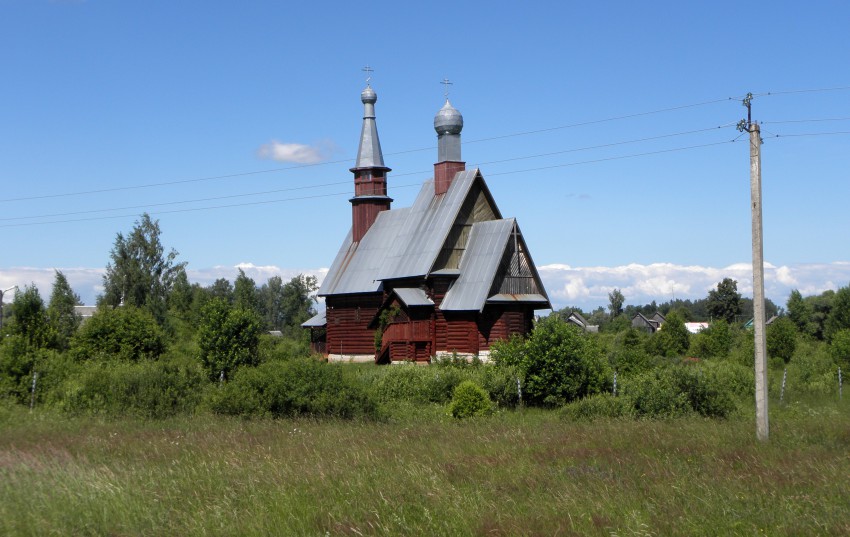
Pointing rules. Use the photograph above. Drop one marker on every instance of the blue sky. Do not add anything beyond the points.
(256, 104)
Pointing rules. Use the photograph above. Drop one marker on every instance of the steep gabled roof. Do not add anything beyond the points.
(420, 239)
(407, 243)
(489, 244)
(357, 264)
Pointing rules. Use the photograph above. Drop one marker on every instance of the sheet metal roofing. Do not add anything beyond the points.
(413, 296)
(405, 243)
(402, 243)
(356, 265)
(478, 265)
(317, 320)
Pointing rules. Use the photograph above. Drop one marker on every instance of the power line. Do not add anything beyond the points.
(309, 165)
(789, 92)
(231, 196)
(805, 120)
(348, 193)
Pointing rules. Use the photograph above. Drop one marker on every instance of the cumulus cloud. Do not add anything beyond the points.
(86, 282)
(588, 287)
(294, 152)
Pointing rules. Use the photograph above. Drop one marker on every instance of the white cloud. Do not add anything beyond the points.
(86, 282)
(297, 153)
(587, 287)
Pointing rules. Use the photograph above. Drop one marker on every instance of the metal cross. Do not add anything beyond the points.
(446, 83)
(368, 70)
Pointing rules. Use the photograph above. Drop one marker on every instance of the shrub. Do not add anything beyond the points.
(629, 354)
(500, 383)
(298, 387)
(672, 339)
(840, 349)
(712, 342)
(146, 389)
(781, 339)
(679, 390)
(558, 361)
(125, 333)
(469, 400)
(18, 362)
(601, 405)
(227, 338)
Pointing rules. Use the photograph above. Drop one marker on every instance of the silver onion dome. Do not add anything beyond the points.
(368, 96)
(448, 120)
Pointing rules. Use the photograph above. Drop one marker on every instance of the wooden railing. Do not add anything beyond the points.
(408, 332)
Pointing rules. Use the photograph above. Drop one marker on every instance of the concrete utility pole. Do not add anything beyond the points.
(762, 426)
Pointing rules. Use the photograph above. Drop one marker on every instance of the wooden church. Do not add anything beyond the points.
(447, 276)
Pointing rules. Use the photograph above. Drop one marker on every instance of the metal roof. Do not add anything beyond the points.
(405, 243)
(421, 237)
(369, 153)
(317, 320)
(478, 266)
(356, 265)
(413, 296)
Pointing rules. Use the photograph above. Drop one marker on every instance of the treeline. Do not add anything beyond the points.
(159, 346)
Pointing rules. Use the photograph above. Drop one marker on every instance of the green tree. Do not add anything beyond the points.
(296, 304)
(245, 294)
(672, 339)
(615, 302)
(182, 295)
(799, 311)
(725, 301)
(271, 300)
(560, 363)
(61, 314)
(839, 315)
(125, 333)
(140, 273)
(781, 339)
(840, 349)
(221, 288)
(228, 337)
(29, 318)
(713, 342)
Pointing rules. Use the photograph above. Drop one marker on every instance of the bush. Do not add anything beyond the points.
(469, 400)
(781, 339)
(146, 389)
(227, 338)
(840, 349)
(125, 333)
(672, 339)
(558, 361)
(679, 390)
(299, 387)
(601, 405)
(712, 342)
(629, 354)
(18, 362)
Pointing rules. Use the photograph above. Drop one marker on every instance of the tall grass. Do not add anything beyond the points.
(522, 472)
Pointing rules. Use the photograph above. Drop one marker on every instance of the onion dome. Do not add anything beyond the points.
(448, 120)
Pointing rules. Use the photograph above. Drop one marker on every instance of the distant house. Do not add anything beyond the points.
(577, 319)
(650, 324)
(85, 312)
(696, 328)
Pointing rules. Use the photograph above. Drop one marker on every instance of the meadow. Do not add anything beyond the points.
(417, 471)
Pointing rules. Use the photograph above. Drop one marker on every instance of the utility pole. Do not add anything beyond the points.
(762, 426)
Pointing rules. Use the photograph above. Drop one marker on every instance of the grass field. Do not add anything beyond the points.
(524, 472)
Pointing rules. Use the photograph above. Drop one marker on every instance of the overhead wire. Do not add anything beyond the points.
(346, 193)
(276, 191)
(339, 161)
